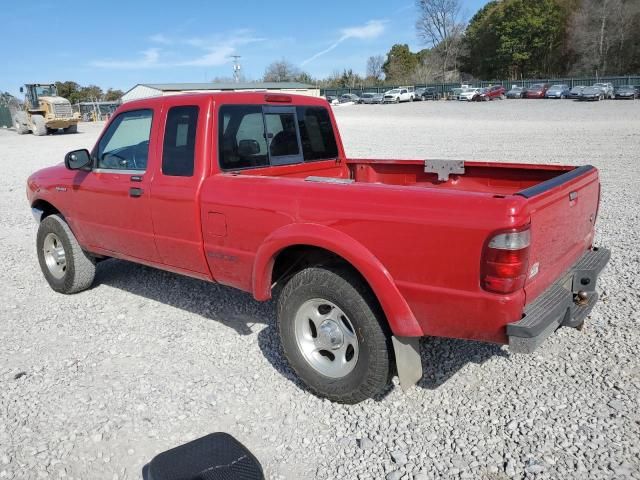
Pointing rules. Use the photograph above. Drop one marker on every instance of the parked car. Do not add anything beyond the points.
(332, 99)
(398, 95)
(558, 91)
(626, 92)
(455, 93)
(607, 89)
(470, 94)
(592, 94)
(349, 97)
(576, 91)
(492, 93)
(515, 92)
(371, 97)
(537, 90)
(355, 287)
(427, 93)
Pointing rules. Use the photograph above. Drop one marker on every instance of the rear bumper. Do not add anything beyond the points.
(560, 304)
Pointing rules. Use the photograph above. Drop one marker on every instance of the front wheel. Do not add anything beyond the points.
(66, 267)
(334, 334)
(71, 129)
(38, 125)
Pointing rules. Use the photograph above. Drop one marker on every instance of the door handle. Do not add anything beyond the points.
(135, 192)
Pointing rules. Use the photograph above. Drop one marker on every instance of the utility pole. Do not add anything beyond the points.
(236, 68)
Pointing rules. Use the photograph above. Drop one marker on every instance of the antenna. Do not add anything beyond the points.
(236, 68)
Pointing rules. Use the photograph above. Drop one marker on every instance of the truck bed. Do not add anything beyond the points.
(400, 212)
(479, 177)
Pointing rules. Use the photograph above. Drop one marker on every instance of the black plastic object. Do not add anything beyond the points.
(217, 456)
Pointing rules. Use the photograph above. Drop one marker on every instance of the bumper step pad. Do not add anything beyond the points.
(557, 306)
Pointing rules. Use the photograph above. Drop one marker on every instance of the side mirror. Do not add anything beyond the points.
(77, 159)
(248, 147)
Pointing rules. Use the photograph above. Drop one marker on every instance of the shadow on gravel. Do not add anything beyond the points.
(226, 305)
(442, 358)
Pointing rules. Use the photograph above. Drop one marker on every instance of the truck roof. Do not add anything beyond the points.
(256, 98)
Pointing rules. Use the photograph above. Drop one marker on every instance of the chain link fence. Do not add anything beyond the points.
(444, 88)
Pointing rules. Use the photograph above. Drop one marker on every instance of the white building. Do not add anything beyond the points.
(146, 90)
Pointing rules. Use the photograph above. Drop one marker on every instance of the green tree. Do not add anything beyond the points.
(113, 95)
(400, 64)
(513, 38)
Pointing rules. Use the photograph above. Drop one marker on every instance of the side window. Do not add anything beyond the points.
(241, 137)
(178, 148)
(125, 144)
(316, 134)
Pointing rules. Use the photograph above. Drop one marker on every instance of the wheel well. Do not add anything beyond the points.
(46, 207)
(295, 258)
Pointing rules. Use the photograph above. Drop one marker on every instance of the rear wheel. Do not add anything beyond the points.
(334, 335)
(66, 267)
(38, 126)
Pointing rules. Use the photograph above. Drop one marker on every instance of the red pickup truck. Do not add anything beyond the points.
(254, 190)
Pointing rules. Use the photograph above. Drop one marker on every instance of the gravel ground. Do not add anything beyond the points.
(93, 385)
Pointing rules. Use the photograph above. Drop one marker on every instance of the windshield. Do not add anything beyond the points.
(367, 95)
(577, 89)
(557, 87)
(516, 89)
(537, 86)
(395, 90)
(46, 90)
(599, 84)
(625, 87)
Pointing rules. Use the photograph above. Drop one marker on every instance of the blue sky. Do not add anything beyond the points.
(120, 43)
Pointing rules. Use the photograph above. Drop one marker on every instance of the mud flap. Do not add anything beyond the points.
(408, 361)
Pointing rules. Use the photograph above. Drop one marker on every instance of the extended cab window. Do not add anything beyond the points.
(241, 137)
(255, 136)
(125, 144)
(178, 148)
(316, 134)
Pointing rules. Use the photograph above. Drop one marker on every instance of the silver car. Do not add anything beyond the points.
(371, 97)
(607, 89)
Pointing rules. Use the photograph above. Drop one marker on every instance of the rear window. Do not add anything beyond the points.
(178, 148)
(251, 136)
(316, 134)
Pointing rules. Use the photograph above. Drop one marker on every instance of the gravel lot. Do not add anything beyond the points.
(93, 385)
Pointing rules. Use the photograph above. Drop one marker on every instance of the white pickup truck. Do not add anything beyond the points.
(400, 94)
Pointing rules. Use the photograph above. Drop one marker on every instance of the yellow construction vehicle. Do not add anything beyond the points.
(44, 111)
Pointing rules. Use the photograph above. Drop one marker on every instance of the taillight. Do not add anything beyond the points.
(505, 260)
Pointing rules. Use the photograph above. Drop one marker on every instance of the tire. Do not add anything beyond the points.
(66, 267)
(503, 97)
(21, 122)
(71, 129)
(358, 323)
(38, 126)
(397, 99)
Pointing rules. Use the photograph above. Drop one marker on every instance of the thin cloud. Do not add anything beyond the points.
(214, 51)
(149, 59)
(372, 29)
(160, 38)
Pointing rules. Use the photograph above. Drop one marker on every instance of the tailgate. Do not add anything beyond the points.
(563, 213)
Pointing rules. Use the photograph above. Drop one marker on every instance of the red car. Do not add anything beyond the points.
(364, 257)
(493, 93)
(537, 90)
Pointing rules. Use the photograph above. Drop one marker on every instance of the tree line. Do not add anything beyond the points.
(76, 93)
(505, 39)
